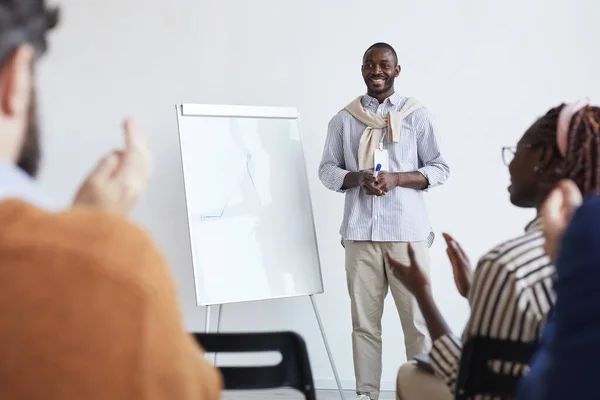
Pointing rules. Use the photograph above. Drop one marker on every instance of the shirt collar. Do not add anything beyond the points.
(394, 99)
(16, 184)
(534, 225)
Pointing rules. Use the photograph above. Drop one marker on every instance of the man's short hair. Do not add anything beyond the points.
(382, 45)
(25, 21)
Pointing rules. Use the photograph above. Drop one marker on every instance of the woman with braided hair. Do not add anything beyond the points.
(573, 154)
(566, 364)
(511, 292)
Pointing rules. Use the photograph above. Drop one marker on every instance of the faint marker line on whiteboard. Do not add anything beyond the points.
(245, 170)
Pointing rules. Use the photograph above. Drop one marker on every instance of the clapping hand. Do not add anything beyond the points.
(411, 275)
(461, 266)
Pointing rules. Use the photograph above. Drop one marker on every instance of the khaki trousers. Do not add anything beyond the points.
(369, 275)
(415, 384)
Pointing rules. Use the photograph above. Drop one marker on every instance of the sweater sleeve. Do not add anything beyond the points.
(175, 365)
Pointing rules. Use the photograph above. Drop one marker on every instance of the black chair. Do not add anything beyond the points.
(292, 372)
(476, 376)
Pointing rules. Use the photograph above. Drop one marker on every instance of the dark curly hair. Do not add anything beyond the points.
(581, 162)
(25, 21)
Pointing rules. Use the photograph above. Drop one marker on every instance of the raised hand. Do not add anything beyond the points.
(461, 266)
(120, 178)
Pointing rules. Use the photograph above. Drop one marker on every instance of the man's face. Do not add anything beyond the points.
(30, 156)
(379, 70)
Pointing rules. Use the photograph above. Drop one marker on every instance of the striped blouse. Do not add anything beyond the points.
(510, 297)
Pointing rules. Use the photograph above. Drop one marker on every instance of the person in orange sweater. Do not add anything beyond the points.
(88, 309)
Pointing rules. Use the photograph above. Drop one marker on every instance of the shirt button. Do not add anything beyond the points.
(376, 217)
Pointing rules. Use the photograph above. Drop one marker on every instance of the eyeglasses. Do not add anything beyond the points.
(508, 153)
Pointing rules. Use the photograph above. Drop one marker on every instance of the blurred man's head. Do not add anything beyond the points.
(23, 28)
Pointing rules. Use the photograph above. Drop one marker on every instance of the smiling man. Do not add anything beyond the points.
(382, 152)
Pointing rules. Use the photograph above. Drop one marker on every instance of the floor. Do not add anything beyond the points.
(292, 395)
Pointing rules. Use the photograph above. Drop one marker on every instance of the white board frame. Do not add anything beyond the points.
(211, 110)
(241, 111)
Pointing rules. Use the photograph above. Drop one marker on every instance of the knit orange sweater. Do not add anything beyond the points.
(88, 310)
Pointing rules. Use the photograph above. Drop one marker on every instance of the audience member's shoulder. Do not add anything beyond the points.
(591, 202)
(582, 235)
(97, 237)
(587, 216)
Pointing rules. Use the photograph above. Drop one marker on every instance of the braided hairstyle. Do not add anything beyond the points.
(581, 162)
(25, 21)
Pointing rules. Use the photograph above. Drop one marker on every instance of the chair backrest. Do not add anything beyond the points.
(484, 369)
(292, 372)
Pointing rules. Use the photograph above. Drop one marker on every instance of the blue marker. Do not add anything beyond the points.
(377, 169)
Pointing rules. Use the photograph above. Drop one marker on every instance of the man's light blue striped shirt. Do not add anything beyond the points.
(400, 215)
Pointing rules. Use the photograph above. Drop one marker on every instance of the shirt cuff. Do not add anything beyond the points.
(445, 359)
(337, 179)
(423, 171)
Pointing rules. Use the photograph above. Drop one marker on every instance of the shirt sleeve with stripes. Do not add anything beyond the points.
(510, 297)
(432, 164)
(446, 351)
(332, 169)
(445, 359)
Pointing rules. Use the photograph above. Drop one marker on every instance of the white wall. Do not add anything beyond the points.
(486, 70)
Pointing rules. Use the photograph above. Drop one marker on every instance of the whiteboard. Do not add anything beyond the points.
(249, 209)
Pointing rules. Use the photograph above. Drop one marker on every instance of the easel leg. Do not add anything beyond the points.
(326, 343)
(207, 320)
(219, 314)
